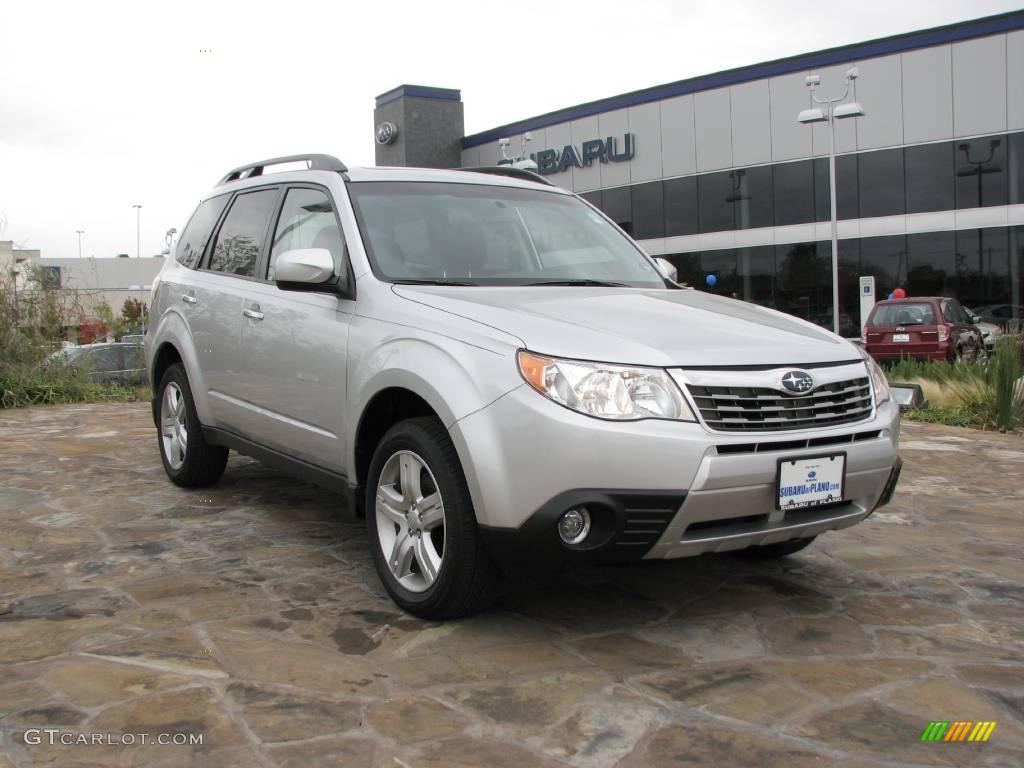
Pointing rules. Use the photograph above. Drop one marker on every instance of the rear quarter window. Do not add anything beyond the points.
(197, 232)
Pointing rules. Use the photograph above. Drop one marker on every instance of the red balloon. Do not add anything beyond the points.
(899, 293)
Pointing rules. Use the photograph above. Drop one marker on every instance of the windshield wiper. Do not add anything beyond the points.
(430, 281)
(580, 281)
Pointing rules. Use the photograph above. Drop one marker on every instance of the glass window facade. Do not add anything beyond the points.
(981, 172)
(930, 180)
(880, 183)
(888, 182)
(648, 210)
(980, 267)
(681, 207)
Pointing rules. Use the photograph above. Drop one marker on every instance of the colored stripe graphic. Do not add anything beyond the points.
(982, 731)
(958, 730)
(935, 730)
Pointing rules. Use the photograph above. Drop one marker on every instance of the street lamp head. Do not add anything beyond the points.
(812, 81)
(852, 73)
(852, 109)
(813, 115)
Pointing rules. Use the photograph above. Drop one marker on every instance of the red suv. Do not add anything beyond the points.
(926, 328)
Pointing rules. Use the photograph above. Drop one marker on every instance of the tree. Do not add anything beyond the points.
(134, 312)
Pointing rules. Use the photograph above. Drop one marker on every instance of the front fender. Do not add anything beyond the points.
(454, 378)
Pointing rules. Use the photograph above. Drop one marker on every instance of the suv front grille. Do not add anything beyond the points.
(741, 409)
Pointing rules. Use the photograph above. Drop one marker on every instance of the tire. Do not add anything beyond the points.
(190, 462)
(432, 521)
(775, 551)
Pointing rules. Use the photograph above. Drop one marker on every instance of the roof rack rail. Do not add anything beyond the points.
(316, 163)
(510, 171)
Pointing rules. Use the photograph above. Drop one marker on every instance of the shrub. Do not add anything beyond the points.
(984, 395)
(34, 316)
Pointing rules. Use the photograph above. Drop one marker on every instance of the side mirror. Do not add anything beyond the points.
(307, 266)
(667, 269)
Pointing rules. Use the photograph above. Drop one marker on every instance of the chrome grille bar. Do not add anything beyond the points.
(740, 401)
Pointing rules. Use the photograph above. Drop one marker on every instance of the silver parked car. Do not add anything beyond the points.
(495, 374)
(104, 362)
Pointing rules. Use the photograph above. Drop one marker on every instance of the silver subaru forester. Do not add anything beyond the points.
(494, 374)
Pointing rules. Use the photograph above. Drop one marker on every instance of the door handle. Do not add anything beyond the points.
(188, 298)
(253, 312)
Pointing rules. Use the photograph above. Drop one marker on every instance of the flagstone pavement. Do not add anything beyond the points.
(249, 614)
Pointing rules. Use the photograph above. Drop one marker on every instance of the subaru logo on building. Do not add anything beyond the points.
(798, 382)
(386, 133)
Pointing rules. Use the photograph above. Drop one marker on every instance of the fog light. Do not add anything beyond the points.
(574, 525)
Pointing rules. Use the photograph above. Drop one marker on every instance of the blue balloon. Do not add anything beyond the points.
(890, 295)
(711, 279)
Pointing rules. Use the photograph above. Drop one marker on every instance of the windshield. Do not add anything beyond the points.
(903, 314)
(474, 234)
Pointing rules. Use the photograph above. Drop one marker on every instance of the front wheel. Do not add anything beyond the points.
(775, 551)
(422, 527)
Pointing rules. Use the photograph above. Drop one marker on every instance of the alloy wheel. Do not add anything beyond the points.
(410, 521)
(173, 429)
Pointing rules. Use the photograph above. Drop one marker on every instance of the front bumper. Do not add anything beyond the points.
(527, 460)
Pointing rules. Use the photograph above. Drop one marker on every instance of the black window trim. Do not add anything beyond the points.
(261, 261)
(346, 257)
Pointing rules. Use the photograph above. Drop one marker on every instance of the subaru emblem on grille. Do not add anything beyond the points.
(798, 381)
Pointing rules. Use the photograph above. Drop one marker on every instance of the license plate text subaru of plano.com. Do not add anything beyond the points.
(808, 482)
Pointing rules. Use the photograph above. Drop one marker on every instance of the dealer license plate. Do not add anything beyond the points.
(900, 337)
(811, 481)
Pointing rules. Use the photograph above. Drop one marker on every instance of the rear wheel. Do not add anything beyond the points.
(422, 527)
(188, 459)
(775, 551)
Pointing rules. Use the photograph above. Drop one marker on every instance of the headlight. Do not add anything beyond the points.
(879, 383)
(617, 392)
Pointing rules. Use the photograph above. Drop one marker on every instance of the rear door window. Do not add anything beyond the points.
(239, 242)
(197, 232)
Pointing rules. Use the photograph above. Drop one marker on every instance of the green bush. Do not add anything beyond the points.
(1000, 399)
(985, 395)
(950, 415)
(934, 370)
(34, 317)
(20, 388)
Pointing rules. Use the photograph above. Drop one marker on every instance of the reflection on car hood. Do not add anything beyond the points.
(639, 326)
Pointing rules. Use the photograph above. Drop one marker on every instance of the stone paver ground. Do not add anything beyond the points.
(250, 614)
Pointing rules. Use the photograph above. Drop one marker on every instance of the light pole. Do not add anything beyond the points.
(79, 232)
(831, 112)
(981, 167)
(138, 224)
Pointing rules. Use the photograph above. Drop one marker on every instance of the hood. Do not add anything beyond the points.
(639, 326)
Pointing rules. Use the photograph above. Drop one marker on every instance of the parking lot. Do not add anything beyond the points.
(250, 614)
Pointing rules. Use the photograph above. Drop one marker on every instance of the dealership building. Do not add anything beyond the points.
(716, 173)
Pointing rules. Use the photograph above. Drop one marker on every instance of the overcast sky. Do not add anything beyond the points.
(103, 105)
